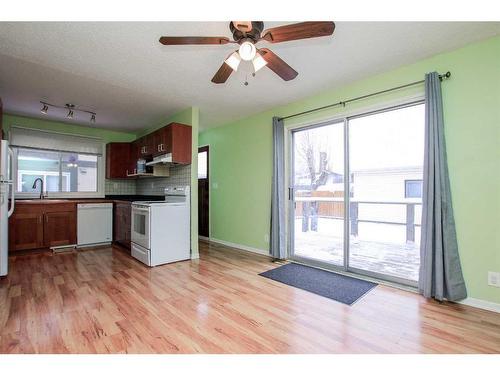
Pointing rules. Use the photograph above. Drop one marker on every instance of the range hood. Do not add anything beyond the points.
(162, 159)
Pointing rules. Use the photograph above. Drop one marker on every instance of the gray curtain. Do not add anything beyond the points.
(440, 271)
(277, 237)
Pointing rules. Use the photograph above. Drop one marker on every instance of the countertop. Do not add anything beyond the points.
(107, 199)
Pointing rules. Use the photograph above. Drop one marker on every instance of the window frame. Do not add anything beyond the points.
(100, 193)
(421, 189)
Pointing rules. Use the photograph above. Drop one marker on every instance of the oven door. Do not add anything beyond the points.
(140, 233)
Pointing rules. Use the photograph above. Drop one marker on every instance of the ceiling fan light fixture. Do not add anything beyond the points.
(258, 62)
(247, 50)
(233, 61)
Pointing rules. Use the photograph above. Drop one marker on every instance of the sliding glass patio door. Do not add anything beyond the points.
(317, 180)
(377, 158)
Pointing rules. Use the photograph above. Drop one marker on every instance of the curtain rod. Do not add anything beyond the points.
(344, 102)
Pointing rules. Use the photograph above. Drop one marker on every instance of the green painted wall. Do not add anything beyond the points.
(28, 122)
(241, 156)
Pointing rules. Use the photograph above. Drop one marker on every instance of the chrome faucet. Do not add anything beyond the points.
(41, 186)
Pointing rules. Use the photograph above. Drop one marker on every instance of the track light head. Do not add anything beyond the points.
(70, 111)
(45, 109)
(92, 118)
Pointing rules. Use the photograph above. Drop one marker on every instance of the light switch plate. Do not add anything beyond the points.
(494, 279)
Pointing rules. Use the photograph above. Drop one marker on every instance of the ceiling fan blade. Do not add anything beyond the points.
(296, 31)
(182, 40)
(243, 26)
(277, 65)
(222, 74)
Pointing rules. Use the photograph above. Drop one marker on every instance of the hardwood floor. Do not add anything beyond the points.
(103, 301)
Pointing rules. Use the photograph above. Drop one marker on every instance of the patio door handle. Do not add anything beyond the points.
(290, 193)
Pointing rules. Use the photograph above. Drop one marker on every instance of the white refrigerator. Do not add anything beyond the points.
(6, 207)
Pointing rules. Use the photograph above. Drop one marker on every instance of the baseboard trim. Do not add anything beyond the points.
(481, 304)
(240, 247)
(203, 238)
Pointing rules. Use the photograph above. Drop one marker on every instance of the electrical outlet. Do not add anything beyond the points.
(215, 185)
(494, 279)
(266, 238)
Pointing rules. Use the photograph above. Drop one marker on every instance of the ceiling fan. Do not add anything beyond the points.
(247, 34)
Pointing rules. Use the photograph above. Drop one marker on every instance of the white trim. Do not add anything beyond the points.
(241, 247)
(481, 304)
(203, 238)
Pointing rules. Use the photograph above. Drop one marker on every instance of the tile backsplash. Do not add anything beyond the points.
(180, 175)
(120, 187)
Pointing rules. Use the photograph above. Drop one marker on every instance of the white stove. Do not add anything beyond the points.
(161, 229)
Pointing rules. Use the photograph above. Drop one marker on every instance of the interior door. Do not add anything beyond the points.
(317, 194)
(203, 192)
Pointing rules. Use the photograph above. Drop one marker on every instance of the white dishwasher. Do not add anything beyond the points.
(94, 223)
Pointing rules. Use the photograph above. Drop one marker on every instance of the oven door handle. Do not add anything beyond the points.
(135, 208)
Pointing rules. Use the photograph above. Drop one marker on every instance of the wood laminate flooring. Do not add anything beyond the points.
(103, 301)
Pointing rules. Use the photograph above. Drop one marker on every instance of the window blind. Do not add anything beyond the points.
(47, 140)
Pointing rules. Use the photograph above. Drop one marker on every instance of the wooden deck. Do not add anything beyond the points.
(399, 260)
(103, 301)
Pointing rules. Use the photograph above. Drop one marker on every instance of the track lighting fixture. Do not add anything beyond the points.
(71, 110)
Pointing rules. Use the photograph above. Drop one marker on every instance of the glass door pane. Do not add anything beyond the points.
(386, 153)
(318, 199)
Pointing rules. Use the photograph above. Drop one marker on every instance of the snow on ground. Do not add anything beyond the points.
(380, 248)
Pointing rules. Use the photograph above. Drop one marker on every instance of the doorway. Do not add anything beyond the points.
(356, 193)
(203, 192)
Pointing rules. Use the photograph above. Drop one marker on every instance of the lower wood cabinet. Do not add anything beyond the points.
(59, 228)
(25, 231)
(121, 223)
(34, 226)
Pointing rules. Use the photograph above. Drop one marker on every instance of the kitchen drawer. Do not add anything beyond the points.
(141, 254)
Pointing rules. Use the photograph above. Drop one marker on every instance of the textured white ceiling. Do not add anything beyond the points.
(121, 71)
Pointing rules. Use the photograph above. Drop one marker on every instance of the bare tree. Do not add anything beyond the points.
(308, 148)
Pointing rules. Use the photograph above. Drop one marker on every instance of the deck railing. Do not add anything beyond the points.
(354, 218)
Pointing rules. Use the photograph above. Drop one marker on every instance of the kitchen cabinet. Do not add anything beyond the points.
(121, 223)
(118, 156)
(25, 231)
(174, 139)
(1, 119)
(59, 228)
(39, 225)
(145, 146)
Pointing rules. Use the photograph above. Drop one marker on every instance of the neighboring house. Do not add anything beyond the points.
(388, 184)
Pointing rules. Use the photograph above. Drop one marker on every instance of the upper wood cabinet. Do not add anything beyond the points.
(175, 139)
(1, 119)
(118, 157)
